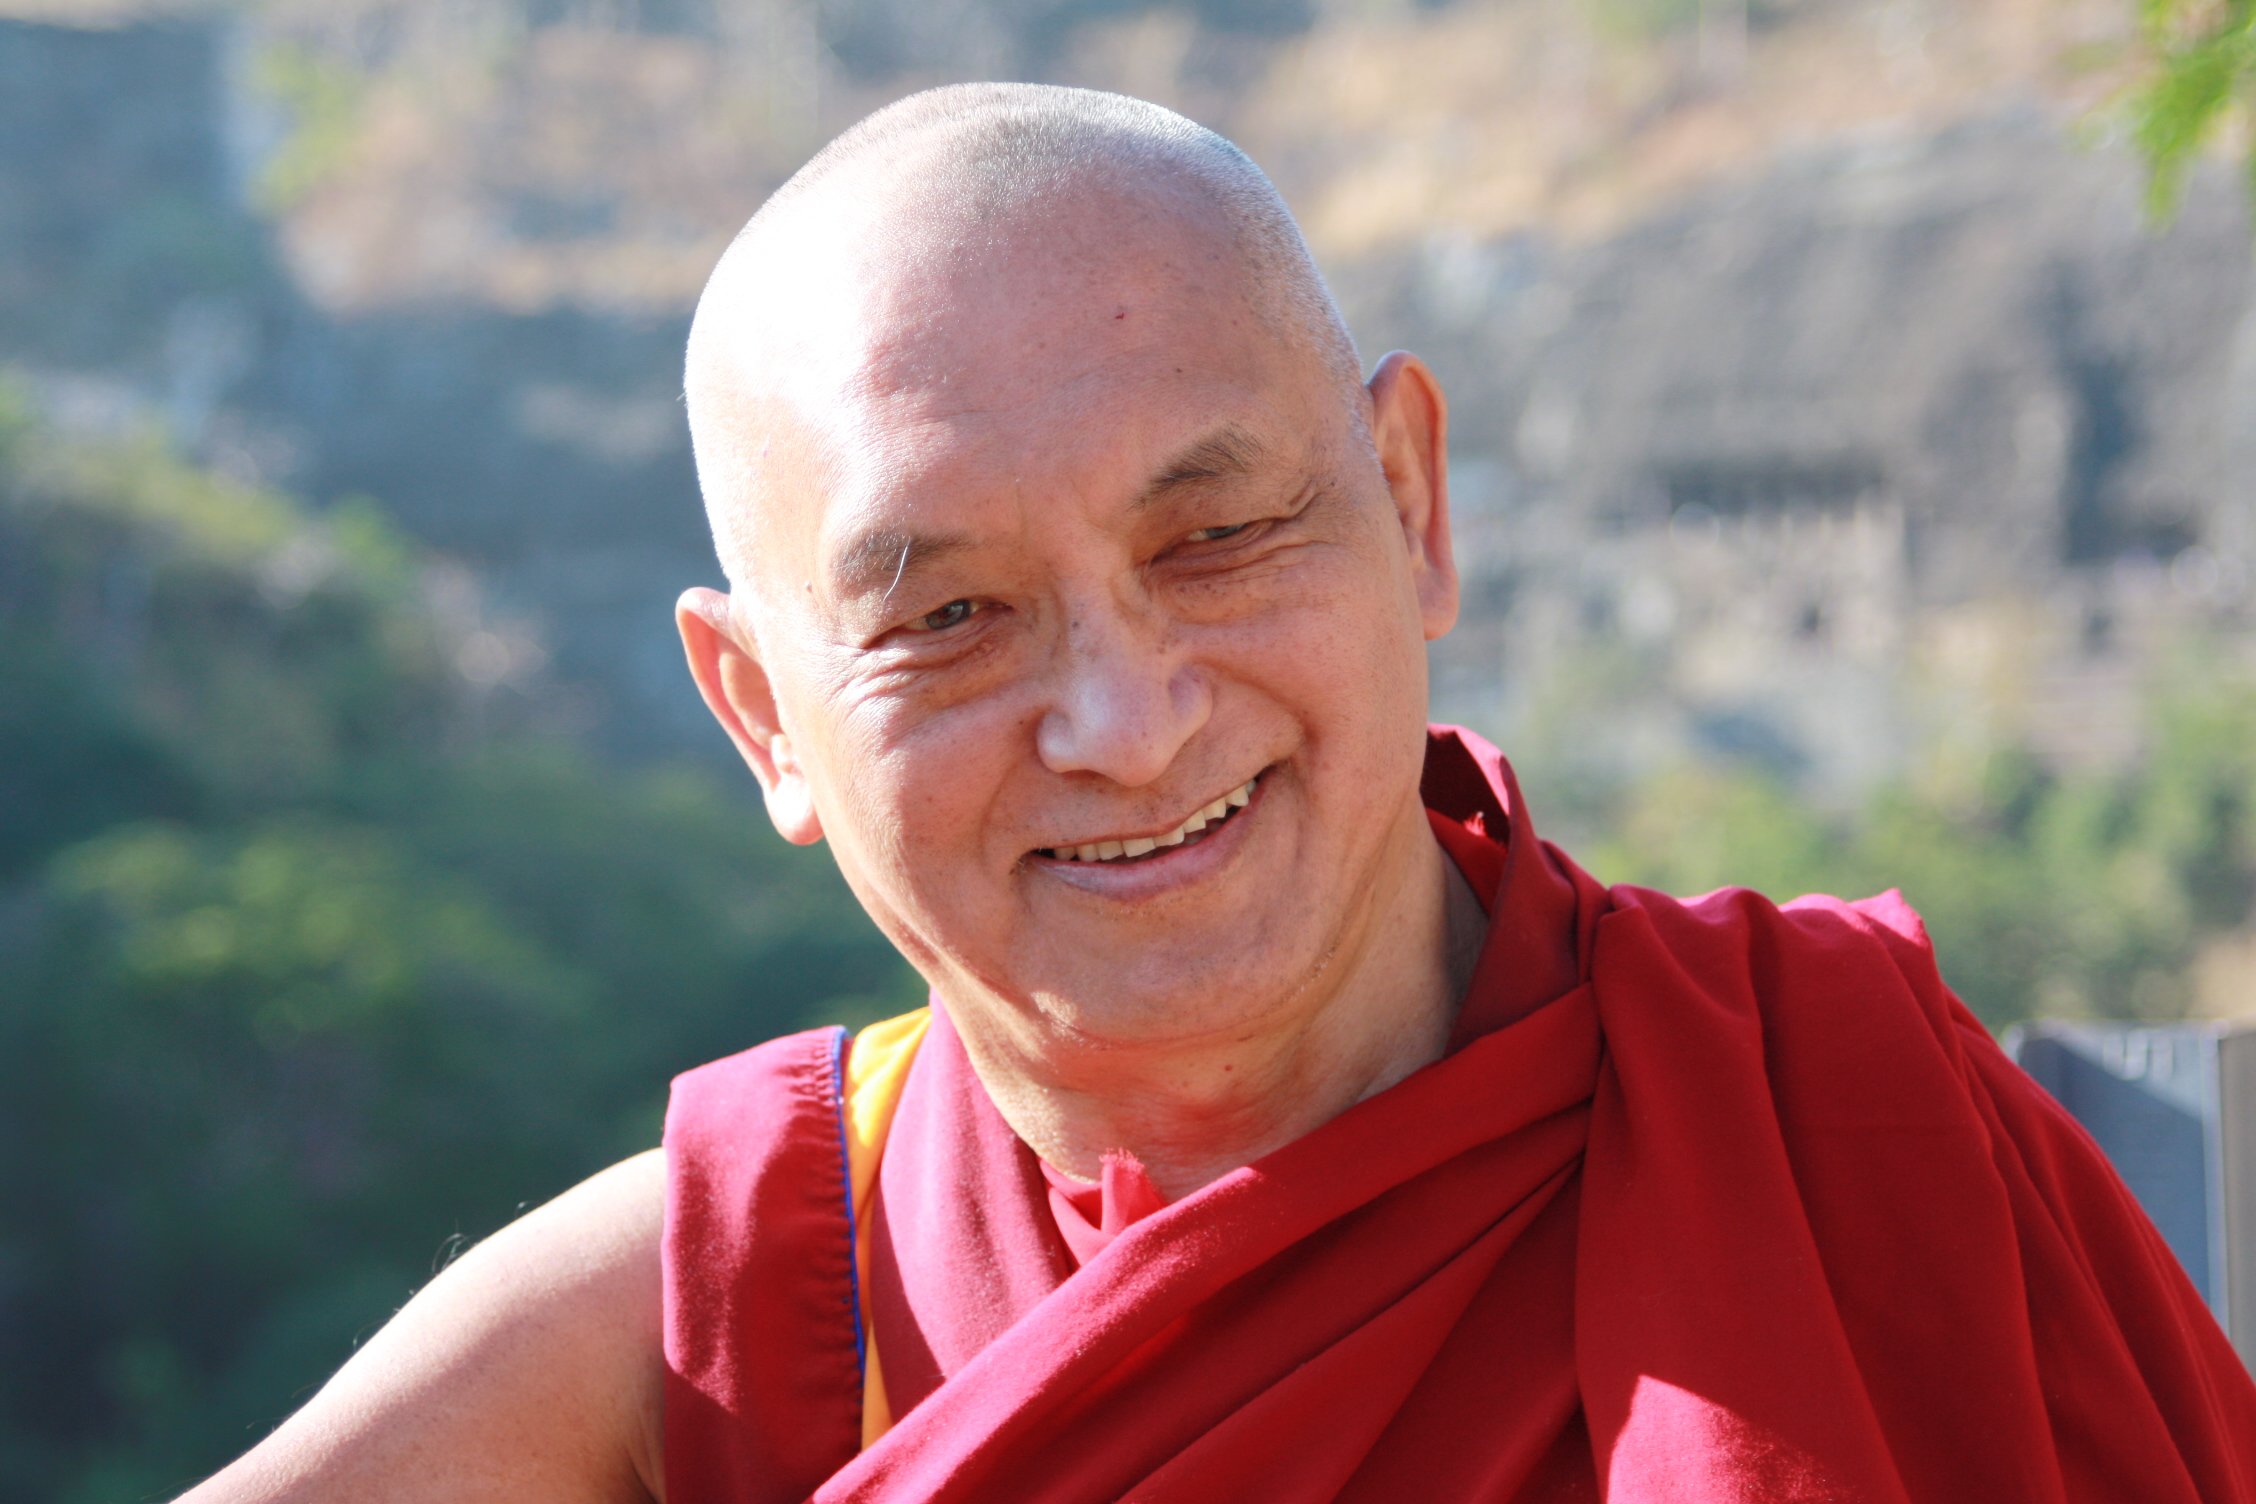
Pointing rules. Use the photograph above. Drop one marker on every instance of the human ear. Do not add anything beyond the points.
(1410, 428)
(729, 675)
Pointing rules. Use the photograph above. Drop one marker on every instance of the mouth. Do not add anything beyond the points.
(1196, 827)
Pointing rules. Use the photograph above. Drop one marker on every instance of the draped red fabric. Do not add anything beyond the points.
(1710, 1201)
(1090, 1216)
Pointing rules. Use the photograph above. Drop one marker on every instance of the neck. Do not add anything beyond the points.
(1195, 1110)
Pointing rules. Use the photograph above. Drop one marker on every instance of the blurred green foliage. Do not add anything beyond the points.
(314, 956)
(2089, 895)
(322, 100)
(2202, 73)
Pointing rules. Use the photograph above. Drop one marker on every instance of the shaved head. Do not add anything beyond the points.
(1057, 512)
(852, 272)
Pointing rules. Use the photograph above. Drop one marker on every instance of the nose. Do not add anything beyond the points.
(1125, 699)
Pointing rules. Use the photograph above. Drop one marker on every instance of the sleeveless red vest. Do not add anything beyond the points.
(763, 1337)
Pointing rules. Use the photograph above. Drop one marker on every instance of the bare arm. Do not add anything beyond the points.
(530, 1370)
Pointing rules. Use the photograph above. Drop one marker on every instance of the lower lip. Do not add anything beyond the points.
(1167, 869)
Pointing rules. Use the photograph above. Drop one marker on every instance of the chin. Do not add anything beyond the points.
(1117, 1006)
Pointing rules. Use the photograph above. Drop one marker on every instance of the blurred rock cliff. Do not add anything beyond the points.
(1820, 397)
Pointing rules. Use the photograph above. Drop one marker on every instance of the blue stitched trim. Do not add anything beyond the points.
(846, 1172)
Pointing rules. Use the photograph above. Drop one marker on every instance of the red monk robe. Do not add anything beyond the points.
(1708, 1201)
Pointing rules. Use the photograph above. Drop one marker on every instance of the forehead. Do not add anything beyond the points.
(1093, 296)
(1061, 367)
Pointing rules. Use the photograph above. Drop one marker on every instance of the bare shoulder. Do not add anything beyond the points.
(531, 1369)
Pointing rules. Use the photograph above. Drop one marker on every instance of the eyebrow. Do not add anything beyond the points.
(1227, 451)
(883, 558)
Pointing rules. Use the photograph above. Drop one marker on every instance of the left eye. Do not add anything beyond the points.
(953, 614)
(1217, 534)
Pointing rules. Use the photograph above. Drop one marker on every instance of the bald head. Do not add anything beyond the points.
(870, 265)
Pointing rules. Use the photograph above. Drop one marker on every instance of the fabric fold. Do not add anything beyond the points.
(1206, 1305)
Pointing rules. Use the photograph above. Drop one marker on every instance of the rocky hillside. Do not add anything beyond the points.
(1819, 392)
(1892, 439)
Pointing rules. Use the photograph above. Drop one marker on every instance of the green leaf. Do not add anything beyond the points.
(2195, 82)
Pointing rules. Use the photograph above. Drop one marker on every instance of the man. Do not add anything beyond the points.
(1291, 1122)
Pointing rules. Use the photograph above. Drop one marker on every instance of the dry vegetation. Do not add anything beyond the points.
(1493, 117)
(588, 163)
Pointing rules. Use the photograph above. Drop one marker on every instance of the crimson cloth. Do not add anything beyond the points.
(1089, 1216)
(1709, 1201)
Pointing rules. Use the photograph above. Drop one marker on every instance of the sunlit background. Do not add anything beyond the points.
(1853, 481)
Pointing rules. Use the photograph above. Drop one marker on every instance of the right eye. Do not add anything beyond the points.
(953, 614)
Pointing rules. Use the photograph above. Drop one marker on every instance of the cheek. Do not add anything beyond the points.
(923, 789)
(1345, 635)
(1347, 667)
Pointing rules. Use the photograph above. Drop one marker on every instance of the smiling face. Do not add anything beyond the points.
(1089, 629)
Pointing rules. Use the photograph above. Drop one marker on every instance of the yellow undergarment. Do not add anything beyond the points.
(876, 1067)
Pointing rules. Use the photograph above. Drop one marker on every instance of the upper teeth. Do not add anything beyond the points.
(1105, 851)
